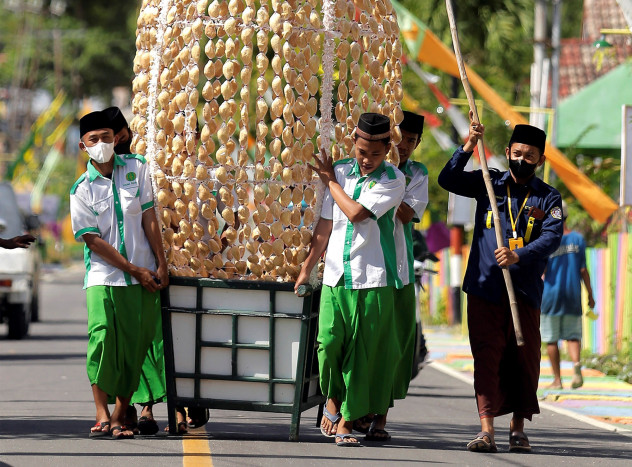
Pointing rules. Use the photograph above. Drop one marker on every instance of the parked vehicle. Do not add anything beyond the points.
(19, 268)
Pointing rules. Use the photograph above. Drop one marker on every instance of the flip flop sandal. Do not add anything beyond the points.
(479, 444)
(377, 434)
(332, 418)
(147, 426)
(363, 424)
(342, 443)
(518, 442)
(97, 431)
(121, 432)
(198, 417)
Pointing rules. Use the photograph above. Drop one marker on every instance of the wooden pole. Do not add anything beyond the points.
(488, 182)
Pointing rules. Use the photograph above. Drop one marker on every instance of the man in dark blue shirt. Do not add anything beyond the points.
(505, 375)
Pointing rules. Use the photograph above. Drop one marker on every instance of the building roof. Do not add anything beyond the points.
(601, 14)
(578, 63)
(578, 66)
(591, 118)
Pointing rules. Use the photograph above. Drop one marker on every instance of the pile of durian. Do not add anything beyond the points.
(237, 199)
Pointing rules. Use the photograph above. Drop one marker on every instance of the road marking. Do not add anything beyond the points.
(451, 372)
(196, 452)
(586, 419)
(569, 413)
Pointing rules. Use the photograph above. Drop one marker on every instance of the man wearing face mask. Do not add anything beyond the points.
(111, 207)
(505, 375)
(152, 387)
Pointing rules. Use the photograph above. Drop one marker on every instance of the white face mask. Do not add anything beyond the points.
(101, 152)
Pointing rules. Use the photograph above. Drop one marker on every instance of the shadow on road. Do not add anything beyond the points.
(59, 337)
(583, 443)
(49, 356)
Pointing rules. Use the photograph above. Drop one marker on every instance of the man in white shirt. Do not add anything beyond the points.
(411, 208)
(357, 349)
(111, 207)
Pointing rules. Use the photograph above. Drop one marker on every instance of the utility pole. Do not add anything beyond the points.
(556, 34)
(539, 53)
(456, 232)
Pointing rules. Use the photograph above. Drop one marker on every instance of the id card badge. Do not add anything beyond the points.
(516, 243)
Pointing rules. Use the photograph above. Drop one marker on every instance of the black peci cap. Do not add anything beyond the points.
(116, 117)
(527, 134)
(94, 121)
(373, 127)
(412, 123)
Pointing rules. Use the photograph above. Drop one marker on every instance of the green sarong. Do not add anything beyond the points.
(153, 386)
(357, 349)
(121, 326)
(405, 328)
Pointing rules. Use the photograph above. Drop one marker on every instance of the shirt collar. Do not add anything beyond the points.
(407, 168)
(93, 173)
(355, 170)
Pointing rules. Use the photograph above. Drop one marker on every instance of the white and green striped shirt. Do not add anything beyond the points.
(415, 196)
(112, 208)
(364, 253)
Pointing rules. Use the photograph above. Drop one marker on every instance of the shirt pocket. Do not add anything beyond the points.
(102, 206)
(130, 201)
(103, 210)
(533, 232)
(488, 214)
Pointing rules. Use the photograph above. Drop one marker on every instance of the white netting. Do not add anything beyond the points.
(261, 78)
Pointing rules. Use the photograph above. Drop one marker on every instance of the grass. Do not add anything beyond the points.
(618, 365)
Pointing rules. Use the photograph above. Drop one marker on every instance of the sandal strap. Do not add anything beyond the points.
(100, 425)
(517, 436)
(331, 417)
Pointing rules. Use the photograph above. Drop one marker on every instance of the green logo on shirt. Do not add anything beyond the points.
(372, 184)
(131, 176)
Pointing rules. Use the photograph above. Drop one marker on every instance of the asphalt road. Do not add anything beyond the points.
(46, 411)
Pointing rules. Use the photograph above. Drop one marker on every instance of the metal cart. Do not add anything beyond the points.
(240, 345)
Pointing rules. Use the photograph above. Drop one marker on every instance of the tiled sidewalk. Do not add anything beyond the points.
(602, 398)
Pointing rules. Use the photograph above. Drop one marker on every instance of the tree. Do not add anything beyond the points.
(497, 42)
(96, 39)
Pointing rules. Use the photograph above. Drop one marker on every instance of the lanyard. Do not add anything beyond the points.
(524, 203)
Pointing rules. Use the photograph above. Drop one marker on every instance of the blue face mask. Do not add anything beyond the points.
(521, 168)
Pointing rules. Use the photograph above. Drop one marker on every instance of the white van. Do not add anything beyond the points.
(19, 269)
